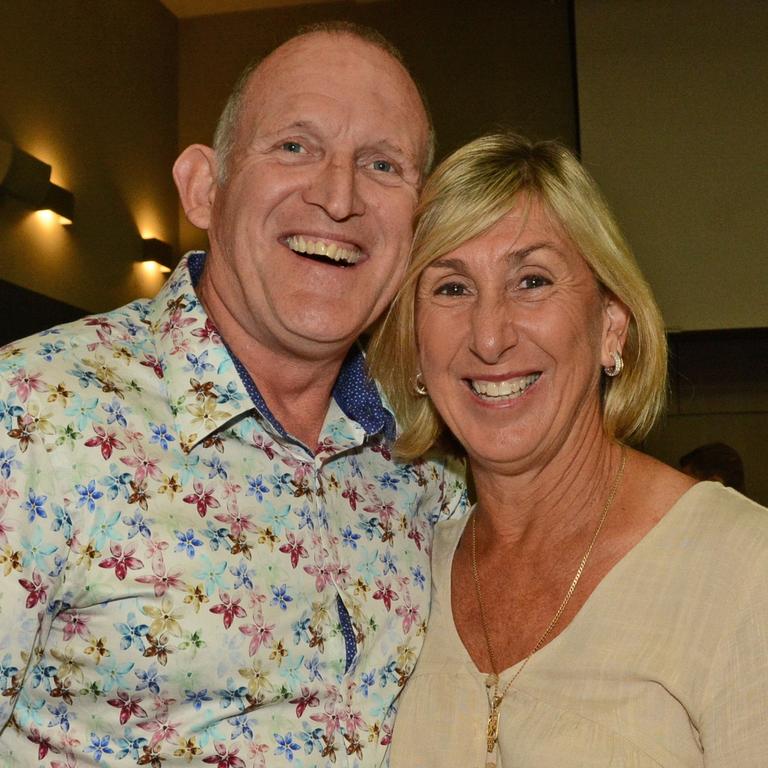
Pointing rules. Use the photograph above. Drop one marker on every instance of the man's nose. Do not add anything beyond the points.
(493, 330)
(335, 188)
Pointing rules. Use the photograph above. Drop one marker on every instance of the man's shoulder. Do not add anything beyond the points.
(97, 347)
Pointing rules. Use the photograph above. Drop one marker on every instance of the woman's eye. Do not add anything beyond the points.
(292, 146)
(382, 165)
(533, 281)
(451, 289)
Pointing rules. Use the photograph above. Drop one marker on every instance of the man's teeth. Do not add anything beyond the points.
(503, 389)
(319, 248)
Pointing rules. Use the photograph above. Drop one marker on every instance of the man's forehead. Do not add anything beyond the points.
(321, 54)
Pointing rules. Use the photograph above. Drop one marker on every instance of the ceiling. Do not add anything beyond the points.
(185, 9)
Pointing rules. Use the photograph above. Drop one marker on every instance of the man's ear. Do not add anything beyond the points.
(195, 172)
(616, 316)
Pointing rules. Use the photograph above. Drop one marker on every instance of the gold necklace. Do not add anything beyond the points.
(492, 731)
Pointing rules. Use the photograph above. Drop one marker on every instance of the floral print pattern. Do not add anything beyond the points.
(172, 563)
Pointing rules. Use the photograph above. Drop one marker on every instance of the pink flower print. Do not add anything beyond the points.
(43, 743)
(75, 625)
(409, 614)
(259, 442)
(158, 366)
(229, 608)
(107, 441)
(322, 572)
(128, 705)
(4, 526)
(306, 699)
(385, 593)
(350, 494)
(331, 721)
(161, 731)
(416, 536)
(261, 634)
(121, 561)
(24, 383)
(161, 580)
(143, 465)
(296, 549)
(202, 498)
(237, 522)
(38, 592)
(224, 758)
(207, 333)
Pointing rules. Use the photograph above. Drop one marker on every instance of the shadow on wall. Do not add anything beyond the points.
(718, 394)
(26, 312)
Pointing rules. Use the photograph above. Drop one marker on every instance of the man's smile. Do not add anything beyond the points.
(327, 251)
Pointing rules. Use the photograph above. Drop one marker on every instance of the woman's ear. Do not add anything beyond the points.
(195, 173)
(616, 317)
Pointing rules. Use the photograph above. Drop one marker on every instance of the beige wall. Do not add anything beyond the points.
(481, 64)
(89, 86)
(673, 106)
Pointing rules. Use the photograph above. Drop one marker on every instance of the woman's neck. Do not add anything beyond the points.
(550, 502)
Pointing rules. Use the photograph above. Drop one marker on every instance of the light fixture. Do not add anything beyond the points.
(158, 252)
(29, 180)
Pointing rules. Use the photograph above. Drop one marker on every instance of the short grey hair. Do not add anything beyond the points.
(226, 128)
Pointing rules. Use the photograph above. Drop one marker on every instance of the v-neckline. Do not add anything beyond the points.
(609, 576)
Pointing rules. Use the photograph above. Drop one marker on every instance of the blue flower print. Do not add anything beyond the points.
(99, 746)
(35, 506)
(187, 542)
(281, 597)
(286, 746)
(161, 435)
(88, 495)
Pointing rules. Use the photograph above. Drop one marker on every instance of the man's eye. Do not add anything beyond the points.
(533, 281)
(382, 165)
(292, 146)
(451, 289)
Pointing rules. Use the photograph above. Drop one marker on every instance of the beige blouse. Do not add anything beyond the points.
(666, 664)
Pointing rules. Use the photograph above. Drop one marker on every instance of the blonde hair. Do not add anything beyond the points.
(469, 192)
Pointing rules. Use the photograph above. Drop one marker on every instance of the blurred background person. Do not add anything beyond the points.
(715, 461)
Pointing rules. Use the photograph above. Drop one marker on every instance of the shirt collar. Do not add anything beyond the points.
(198, 368)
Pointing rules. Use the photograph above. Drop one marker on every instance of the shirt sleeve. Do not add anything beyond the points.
(734, 725)
(36, 532)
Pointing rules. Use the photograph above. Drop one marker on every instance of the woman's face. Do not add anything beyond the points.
(512, 332)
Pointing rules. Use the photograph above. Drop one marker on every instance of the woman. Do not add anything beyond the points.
(597, 608)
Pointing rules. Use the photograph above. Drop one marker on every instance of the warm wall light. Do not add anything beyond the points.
(157, 251)
(29, 180)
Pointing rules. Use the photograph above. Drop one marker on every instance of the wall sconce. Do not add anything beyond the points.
(158, 252)
(29, 180)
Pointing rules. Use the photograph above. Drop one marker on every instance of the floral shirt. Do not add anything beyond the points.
(181, 581)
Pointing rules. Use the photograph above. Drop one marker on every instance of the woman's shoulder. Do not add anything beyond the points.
(724, 510)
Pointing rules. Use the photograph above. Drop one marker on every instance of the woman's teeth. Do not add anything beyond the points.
(509, 389)
(319, 248)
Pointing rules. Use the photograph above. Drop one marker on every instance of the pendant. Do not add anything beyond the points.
(492, 731)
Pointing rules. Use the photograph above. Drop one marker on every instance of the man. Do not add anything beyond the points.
(209, 554)
(715, 461)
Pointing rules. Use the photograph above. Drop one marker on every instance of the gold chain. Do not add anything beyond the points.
(492, 733)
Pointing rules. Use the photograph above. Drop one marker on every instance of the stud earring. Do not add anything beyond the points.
(418, 385)
(618, 365)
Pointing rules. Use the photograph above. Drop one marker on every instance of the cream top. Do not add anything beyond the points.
(666, 664)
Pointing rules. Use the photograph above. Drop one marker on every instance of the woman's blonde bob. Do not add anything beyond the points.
(468, 193)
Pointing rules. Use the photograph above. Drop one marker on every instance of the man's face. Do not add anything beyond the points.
(310, 233)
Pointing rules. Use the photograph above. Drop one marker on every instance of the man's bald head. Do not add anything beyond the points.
(227, 126)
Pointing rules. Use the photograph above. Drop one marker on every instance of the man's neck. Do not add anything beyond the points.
(297, 389)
